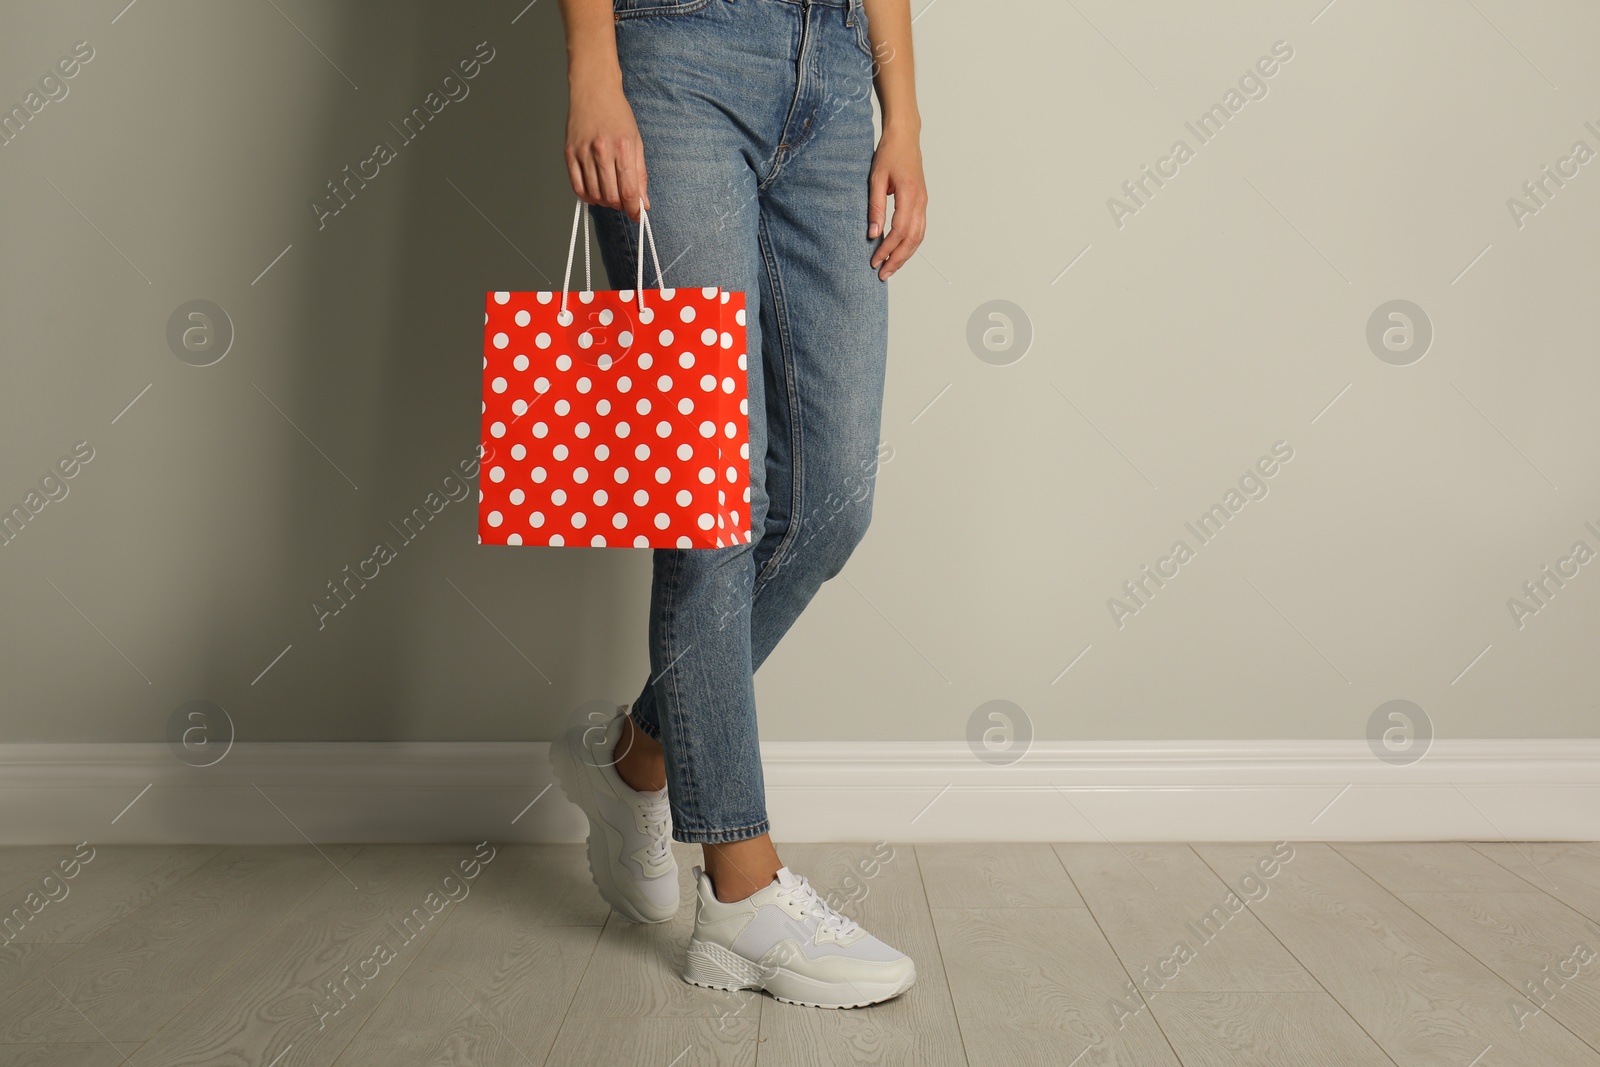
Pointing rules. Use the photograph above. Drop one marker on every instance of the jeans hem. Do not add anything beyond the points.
(720, 837)
(644, 727)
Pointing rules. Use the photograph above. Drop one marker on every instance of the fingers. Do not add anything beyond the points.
(606, 167)
(910, 225)
(878, 194)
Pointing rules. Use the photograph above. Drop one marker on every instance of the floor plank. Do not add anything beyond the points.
(1040, 986)
(277, 1004)
(1429, 867)
(881, 886)
(669, 1042)
(1176, 925)
(1424, 999)
(492, 987)
(995, 875)
(1264, 1030)
(1568, 871)
(1548, 953)
(116, 881)
(125, 982)
(81, 1054)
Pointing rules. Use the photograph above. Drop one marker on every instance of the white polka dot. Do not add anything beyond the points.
(708, 382)
(540, 429)
(584, 385)
(624, 383)
(557, 539)
(564, 318)
(641, 498)
(645, 359)
(738, 316)
(602, 407)
(730, 430)
(579, 520)
(600, 497)
(668, 294)
(664, 383)
(563, 362)
(642, 452)
(495, 518)
(727, 340)
(597, 541)
(582, 430)
(625, 339)
(747, 494)
(663, 428)
(685, 406)
(623, 429)
(684, 542)
(523, 318)
(709, 292)
(619, 520)
(585, 339)
(604, 362)
(620, 475)
(705, 520)
(521, 362)
(707, 475)
(707, 428)
(663, 475)
(662, 522)
(560, 451)
(498, 429)
(742, 361)
(641, 541)
(536, 519)
(708, 336)
(497, 474)
(518, 450)
(744, 405)
(587, 296)
(558, 497)
(538, 474)
(684, 497)
(562, 407)
(519, 407)
(647, 316)
(541, 384)
(720, 524)
(606, 316)
(733, 474)
(643, 406)
(541, 339)
(729, 385)
(580, 474)
(744, 450)
(685, 450)
(666, 338)
(544, 298)
(725, 296)
(518, 496)
(602, 451)
(501, 298)
(686, 360)
(687, 314)
(512, 539)
(498, 385)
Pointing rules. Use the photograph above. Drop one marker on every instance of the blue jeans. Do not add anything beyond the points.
(756, 117)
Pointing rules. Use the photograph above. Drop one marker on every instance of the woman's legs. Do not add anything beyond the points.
(757, 126)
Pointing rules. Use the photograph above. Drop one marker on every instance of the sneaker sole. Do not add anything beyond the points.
(574, 782)
(712, 966)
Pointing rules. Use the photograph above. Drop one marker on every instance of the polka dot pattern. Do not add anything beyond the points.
(556, 389)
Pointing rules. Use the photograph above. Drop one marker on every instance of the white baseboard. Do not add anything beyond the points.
(263, 793)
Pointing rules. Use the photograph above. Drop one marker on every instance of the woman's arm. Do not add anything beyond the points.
(605, 156)
(897, 165)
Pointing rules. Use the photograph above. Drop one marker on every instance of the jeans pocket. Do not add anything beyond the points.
(627, 9)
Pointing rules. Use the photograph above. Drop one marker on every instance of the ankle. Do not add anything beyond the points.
(638, 759)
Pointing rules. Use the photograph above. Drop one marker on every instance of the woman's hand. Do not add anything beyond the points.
(897, 172)
(605, 155)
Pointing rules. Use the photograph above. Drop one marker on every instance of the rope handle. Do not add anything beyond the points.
(588, 280)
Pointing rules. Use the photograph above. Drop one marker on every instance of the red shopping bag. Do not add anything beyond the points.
(615, 418)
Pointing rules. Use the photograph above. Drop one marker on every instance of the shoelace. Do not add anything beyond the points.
(654, 816)
(839, 925)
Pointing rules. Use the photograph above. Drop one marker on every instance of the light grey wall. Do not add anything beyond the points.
(1169, 353)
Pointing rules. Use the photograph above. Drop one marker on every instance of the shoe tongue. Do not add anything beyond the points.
(786, 877)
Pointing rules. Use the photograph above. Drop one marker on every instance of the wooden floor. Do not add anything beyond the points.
(1460, 955)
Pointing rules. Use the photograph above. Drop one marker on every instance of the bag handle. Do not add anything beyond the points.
(588, 280)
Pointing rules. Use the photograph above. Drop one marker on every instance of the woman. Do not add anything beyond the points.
(744, 128)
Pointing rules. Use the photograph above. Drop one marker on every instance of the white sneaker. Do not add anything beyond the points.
(630, 852)
(789, 941)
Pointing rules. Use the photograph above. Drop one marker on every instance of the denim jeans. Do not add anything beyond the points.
(756, 117)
